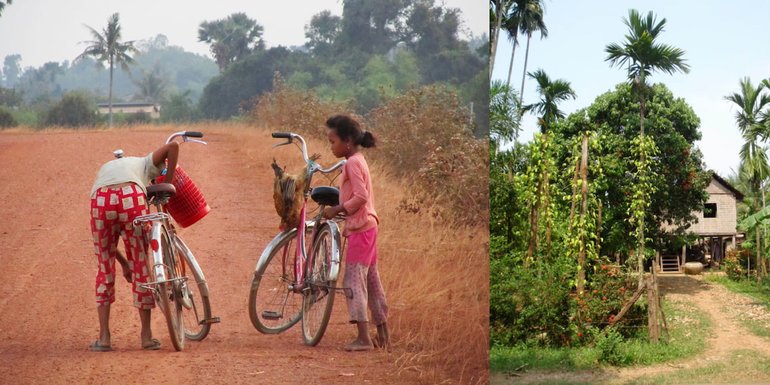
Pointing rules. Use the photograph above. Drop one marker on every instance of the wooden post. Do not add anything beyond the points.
(581, 276)
(653, 310)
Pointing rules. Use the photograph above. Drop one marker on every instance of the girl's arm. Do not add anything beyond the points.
(168, 151)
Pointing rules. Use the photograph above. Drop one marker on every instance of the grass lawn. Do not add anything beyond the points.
(683, 322)
(744, 366)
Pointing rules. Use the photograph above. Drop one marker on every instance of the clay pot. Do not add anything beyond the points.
(693, 268)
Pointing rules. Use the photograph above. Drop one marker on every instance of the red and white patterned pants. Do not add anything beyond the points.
(113, 210)
(363, 279)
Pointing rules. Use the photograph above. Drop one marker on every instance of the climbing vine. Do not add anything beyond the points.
(644, 150)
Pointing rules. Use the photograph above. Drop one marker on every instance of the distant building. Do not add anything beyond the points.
(716, 225)
(151, 109)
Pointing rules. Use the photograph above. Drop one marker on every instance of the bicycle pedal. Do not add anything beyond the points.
(272, 315)
(212, 320)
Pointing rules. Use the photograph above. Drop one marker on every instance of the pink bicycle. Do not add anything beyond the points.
(296, 275)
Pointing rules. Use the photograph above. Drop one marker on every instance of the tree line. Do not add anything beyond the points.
(373, 51)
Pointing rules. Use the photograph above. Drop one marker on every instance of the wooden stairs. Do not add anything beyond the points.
(669, 264)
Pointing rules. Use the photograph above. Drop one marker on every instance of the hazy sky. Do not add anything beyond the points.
(51, 30)
(723, 42)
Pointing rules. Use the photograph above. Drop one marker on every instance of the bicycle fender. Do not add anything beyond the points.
(156, 232)
(190, 260)
(334, 269)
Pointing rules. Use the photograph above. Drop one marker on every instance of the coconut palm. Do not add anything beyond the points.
(530, 21)
(108, 47)
(551, 94)
(642, 55)
(751, 102)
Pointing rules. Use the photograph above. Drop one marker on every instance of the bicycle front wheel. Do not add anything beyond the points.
(169, 291)
(318, 296)
(196, 309)
(273, 304)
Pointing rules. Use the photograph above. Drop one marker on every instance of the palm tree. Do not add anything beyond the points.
(751, 102)
(551, 94)
(108, 47)
(642, 54)
(530, 21)
(498, 10)
(503, 114)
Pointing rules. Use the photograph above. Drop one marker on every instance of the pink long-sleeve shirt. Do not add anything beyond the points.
(357, 196)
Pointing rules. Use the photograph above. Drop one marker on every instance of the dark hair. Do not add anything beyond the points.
(349, 129)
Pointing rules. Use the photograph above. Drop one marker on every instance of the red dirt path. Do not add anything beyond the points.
(47, 272)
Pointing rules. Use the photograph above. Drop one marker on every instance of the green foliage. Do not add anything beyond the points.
(226, 95)
(232, 39)
(74, 110)
(6, 118)
(178, 108)
(609, 343)
(677, 172)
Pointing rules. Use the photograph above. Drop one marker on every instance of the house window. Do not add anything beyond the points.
(710, 210)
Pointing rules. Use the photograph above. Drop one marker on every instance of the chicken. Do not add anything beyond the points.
(288, 194)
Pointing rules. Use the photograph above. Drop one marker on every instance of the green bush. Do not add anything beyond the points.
(73, 110)
(6, 118)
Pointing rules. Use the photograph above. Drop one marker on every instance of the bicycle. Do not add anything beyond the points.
(185, 306)
(280, 282)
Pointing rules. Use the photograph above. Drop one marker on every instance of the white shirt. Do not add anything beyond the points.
(123, 170)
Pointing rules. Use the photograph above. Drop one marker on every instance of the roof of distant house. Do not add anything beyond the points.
(727, 184)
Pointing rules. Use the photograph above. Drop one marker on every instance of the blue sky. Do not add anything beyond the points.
(723, 42)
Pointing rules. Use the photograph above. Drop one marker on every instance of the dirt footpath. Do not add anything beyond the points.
(47, 272)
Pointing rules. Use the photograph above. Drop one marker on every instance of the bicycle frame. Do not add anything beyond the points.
(302, 257)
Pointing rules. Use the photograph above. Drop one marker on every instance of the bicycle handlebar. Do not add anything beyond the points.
(186, 135)
(313, 166)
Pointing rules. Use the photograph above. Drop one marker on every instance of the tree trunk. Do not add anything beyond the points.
(640, 256)
(510, 66)
(581, 277)
(524, 75)
(110, 97)
(493, 43)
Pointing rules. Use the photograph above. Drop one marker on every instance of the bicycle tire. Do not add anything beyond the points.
(273, 306)
(196, 307)
(168, 292)
(318, 296)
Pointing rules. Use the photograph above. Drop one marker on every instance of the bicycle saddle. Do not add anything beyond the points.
(325, 195)
(161, 190)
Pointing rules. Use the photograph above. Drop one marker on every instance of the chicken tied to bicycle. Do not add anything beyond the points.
(288, 193)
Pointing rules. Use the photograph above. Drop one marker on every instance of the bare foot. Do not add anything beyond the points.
(358, 346)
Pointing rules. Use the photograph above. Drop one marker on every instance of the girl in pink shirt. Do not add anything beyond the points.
(357, 203)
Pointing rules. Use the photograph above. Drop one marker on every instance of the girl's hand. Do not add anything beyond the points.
(331, 211)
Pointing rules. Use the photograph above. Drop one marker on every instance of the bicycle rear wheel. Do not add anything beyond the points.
(318, 296)
(168, 293)
(196, 309)
(273, 305)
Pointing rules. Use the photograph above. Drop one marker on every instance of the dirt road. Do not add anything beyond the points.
(47, 272)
